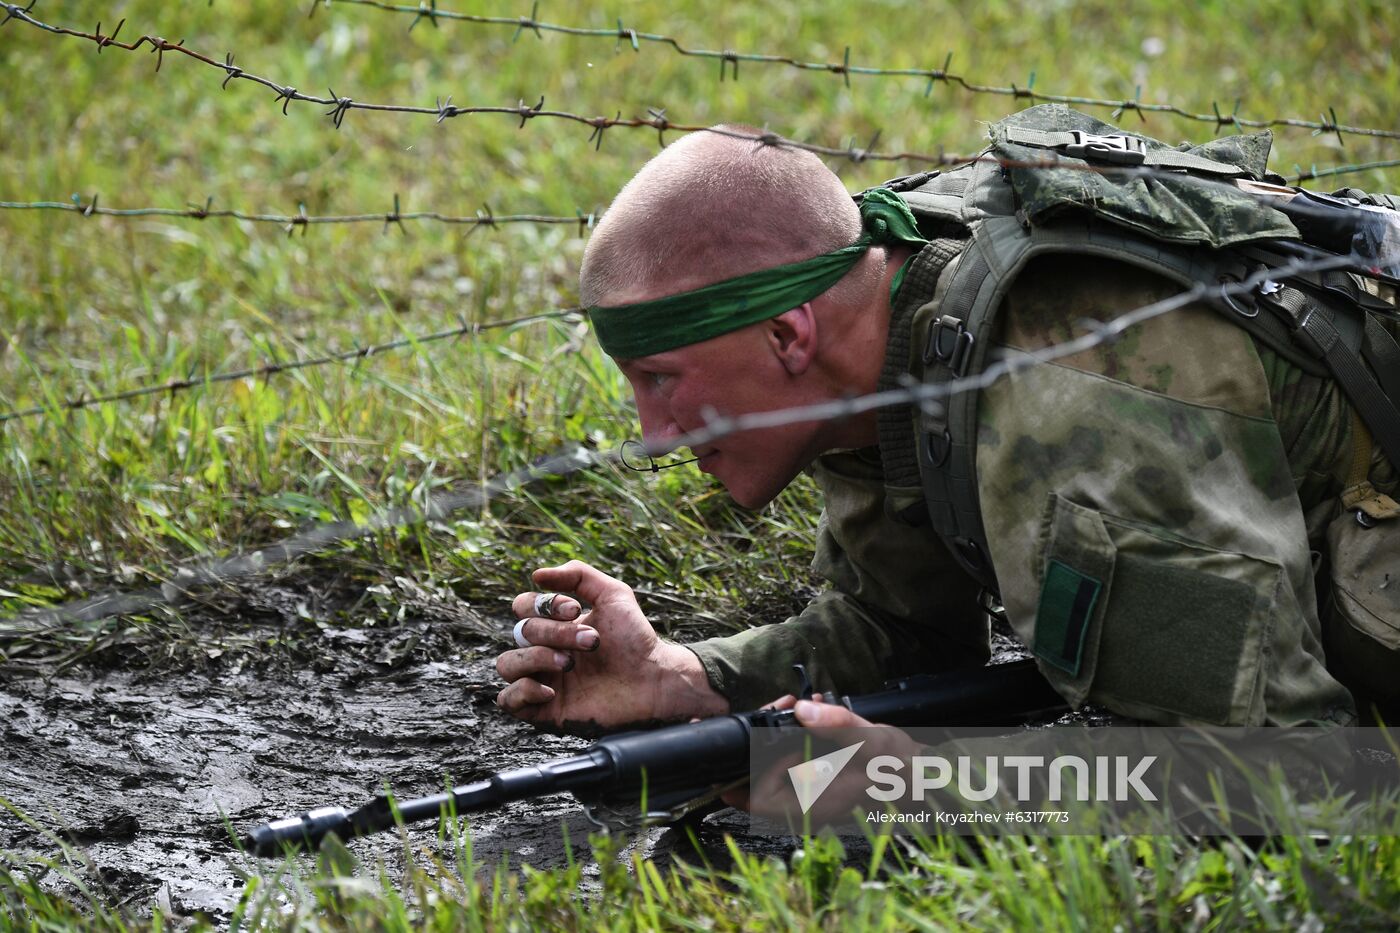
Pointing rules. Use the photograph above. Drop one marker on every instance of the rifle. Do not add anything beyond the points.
(674, 770)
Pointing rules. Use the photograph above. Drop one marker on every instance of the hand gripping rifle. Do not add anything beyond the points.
(670, 772)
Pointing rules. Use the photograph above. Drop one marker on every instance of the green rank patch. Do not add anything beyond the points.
(1062, 619)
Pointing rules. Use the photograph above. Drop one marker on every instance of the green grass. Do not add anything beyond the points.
(929, 883)
(121, 494)
(123, 491)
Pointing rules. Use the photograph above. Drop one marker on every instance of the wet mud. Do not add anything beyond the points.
(147, 768)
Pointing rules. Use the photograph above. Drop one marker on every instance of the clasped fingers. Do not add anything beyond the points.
(549, 633)
(547, 606)
(532, 662)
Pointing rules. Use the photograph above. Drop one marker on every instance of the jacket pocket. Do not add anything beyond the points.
(1150, 624)
(1363, 637)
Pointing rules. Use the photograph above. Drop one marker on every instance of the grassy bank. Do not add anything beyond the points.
(120, 495)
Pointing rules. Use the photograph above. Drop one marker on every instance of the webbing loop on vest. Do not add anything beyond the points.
(950, 343)
(1316, 329)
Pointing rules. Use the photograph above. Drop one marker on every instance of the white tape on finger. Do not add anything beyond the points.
(519, 633)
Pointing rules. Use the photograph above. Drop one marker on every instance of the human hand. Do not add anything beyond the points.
(771, 794)
(600, 668)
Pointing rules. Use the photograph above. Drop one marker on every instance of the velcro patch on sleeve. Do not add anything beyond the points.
(1067, 601)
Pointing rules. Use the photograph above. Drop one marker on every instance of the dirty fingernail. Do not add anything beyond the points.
(587, 639)
(563, 661)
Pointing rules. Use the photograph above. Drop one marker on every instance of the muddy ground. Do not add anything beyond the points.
(279, 699)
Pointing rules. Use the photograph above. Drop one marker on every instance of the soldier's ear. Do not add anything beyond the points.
(792, 336)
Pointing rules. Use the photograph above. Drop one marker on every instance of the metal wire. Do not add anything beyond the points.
(729, 60)
(29, 622)
(1316, 172)
(656, 118)
(444, 109)
(482, 218)
(261, 372)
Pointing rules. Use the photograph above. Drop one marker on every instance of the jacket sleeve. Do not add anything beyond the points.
(897, 604)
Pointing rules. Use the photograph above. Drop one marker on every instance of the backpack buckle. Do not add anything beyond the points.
(1118, 148)
(949, 342)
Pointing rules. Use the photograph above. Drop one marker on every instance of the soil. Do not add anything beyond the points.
(147, 766)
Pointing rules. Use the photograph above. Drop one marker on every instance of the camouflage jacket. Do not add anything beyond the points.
(1191, 469)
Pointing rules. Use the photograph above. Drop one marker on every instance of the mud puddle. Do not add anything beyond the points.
(145, 770)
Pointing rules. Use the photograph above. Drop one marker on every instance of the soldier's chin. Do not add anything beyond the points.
(750, 496)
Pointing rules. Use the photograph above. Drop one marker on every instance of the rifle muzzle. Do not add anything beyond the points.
(299, 832)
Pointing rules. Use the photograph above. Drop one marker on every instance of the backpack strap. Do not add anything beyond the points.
(1383, 353)
(1325, 334)
(1120, 149)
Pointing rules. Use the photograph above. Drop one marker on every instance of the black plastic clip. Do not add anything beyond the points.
(1119, 149)
(950, 342)
(804, 683)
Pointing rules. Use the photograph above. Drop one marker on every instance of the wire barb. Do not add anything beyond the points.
(629, 34)
(600, 124)
(337, 112)
(426, 11)
(530, 22)
(12, 11)
(527, 113)
(728, 58)
(286, 95)
(233, 70)
(394, 217)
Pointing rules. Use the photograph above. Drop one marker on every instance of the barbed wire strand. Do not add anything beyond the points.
(656, 118)
(261, 372)
(1316, 172)
(361, 353)
(729, 60)
(37, 621)
(482, 218)
(177, 589)
(444, 109)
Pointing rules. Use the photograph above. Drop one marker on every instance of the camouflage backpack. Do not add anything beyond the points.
(1203, 217)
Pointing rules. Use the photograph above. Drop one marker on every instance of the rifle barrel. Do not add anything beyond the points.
(664, 763)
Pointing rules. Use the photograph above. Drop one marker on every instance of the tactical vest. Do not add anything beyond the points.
(1206, 216)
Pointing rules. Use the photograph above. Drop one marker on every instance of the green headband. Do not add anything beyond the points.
(630, 331)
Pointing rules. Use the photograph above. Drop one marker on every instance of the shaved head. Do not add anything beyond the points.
(711, 207)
